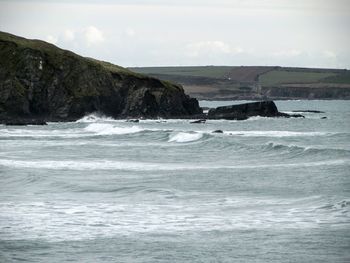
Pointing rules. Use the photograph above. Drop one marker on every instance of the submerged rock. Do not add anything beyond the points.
(133, 120)
(40, 80)
(246, 110)
(199, 121)
(310, 111)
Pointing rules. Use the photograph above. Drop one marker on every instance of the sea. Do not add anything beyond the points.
(104, 190)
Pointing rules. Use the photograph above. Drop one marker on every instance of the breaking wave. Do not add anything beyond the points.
(81, 165)
(271, 146)
(109, 129)
(185, 137)
(94, 117)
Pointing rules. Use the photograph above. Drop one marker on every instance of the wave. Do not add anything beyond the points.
(276, 146)
(258, 118)
(25, 132)
(127, 190)
(185, 137)
(95, 117)
(82, 165)
(109, 129)
(77, 220)
(93, 129)
(342, 205)
(271, 146)
(276, 133)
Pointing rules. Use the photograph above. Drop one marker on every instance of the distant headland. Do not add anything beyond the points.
(256, 83)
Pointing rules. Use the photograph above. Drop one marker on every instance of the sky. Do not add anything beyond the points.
(298, 33)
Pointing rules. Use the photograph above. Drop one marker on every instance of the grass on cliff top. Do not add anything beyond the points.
(342, 78)
(115, 68)
(197, 71)
(276, 77)
(56, 53)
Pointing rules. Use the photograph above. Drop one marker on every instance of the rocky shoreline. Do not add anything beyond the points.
(232, 112)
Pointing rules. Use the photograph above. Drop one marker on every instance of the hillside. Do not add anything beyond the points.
(255, 82)
(41, 81)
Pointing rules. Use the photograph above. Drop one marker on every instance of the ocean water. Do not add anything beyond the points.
(101, 190)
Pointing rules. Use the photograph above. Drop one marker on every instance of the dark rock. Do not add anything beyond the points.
(217, 131)
(131, 120)
(39, 79)
(246, 110)
(311, 111)
(199, 121)
(286, 115)
(322, 118)
(205, 108)
(24, 122)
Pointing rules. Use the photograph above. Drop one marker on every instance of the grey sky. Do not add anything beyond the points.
(310, 33)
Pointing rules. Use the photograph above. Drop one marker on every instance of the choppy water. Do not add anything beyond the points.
(100, 190)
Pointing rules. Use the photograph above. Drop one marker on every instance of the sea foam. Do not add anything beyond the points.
(95, 117)
(109, 129)
(185, 137)
(82, 165)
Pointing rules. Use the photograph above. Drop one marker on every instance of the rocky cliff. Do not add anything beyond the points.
(41, 81)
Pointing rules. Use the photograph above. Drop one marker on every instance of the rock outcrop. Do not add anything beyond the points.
(41, 81)
(246, 110)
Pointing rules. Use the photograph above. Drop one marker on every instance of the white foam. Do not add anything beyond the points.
(185, 137)
(257, 118)
(82, 165)
(109, 129)
(74, 220)
(94, 117)
(25, 132)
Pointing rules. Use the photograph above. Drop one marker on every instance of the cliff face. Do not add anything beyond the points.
(307, 91)
(39, 80)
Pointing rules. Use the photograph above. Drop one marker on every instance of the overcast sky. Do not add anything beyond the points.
(306, 33)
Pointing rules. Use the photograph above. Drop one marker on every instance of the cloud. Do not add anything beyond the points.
(287, 53)
(240, 32)
(130, 32)
(78, 37)
(211, 48)
(329, 54)
(51, 39)
(68, 35)
(93, 35)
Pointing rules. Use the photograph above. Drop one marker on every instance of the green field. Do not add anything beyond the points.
(200, 71)
(276, 77)
(342, 78)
